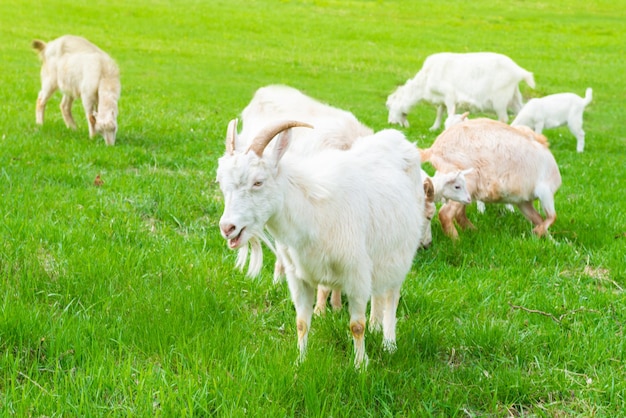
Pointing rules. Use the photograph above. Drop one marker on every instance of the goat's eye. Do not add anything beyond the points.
(257, 184)
(457, 187)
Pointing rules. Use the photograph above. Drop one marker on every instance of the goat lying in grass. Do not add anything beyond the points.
(348, 218)
(80, 69)
(556, 110)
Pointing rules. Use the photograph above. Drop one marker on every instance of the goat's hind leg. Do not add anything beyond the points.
(547, 203)
(322, 297)
(377, 311)
(446, 218)
(529, 211)
(575, 126)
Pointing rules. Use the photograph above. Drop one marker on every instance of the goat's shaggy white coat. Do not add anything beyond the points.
(80, 70)
(511, 165)
(334, 128)
(483, 81)
(556, 110)
(350, 219)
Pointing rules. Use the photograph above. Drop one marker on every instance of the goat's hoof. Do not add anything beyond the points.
(390, 346)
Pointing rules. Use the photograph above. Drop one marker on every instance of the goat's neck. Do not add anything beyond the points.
(293, 221)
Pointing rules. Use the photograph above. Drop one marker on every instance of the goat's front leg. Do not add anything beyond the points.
(446, 218)
(438, 118)
(392, 297)
(302, 295)
(89, 104)
(461, 217)
(66, 111)
(357, 305)
(42, 98)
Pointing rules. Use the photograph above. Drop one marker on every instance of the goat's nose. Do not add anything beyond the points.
(227, 229)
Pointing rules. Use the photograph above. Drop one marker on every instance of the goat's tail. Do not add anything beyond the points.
(40, 46)
(529, 78)
(424, 154)
(588, 96)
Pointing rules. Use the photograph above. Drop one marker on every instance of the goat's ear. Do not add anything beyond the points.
(231, 136)
(282, 143)
(429, 190)
(467, 171)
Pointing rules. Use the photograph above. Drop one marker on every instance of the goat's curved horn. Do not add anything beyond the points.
(265, 136)
(231, 136)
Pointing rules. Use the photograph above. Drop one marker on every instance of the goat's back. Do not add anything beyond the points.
(475, 78)
(79, 66)
(334, 127)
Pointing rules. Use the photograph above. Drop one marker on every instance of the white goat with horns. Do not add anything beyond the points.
(349, 218)
(334, 128)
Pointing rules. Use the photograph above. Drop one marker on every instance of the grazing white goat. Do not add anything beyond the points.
(80, 69)
(511, 165)
(484, 81)
(556, 110)
(348, 218)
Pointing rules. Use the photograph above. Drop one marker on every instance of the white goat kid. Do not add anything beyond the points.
(350, 218)
(556, 110)
(450, 186)
(80, 69)
(460, 118)
(484, 81)
(511, 165)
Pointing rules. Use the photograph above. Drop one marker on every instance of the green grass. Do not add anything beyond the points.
(123, 300)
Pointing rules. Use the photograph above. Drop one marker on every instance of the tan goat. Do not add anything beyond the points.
(80, 70)
(511, 165)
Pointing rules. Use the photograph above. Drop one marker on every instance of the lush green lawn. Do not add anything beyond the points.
(123, 300)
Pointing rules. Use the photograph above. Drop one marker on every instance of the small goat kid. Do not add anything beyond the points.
(511, 165)
(80, 69)
(556, 110)
(349, 219)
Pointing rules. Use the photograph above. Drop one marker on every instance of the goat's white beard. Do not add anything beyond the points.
(256, 254)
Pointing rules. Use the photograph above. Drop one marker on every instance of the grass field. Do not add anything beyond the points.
(123, 300)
